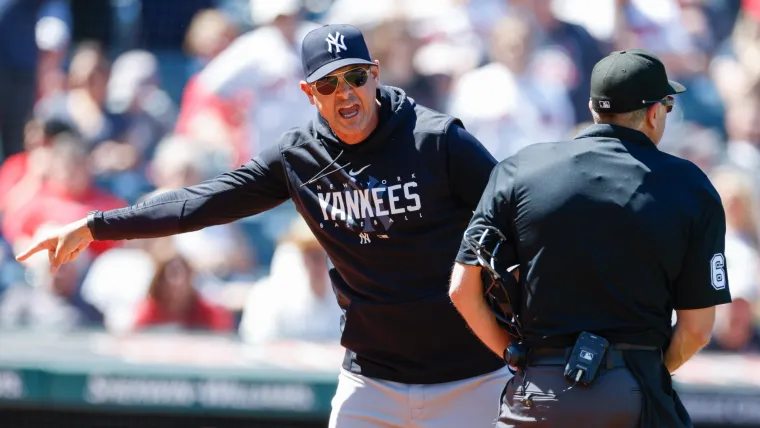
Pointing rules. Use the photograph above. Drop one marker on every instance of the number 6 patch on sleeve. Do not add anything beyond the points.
(718, 271)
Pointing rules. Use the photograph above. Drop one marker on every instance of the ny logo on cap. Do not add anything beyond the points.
(336, 41)
(604, 104)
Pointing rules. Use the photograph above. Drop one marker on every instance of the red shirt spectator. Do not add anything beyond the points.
(54, 205)
(216, 120)
(22, 174)
(200, 315)
(66, 195)
(173, 300)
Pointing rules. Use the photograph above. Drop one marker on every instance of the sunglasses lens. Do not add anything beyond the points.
(357, 78)
(327, 85)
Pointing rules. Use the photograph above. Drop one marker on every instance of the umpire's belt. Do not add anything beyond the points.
(559, 356)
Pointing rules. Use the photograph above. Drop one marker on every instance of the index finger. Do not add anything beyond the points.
(46, 244)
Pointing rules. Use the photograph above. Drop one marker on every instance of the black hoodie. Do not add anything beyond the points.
(390, 213)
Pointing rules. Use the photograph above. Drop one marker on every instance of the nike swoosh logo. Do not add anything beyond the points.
(353, 173)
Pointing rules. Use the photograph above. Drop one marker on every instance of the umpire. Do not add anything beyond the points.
(610, 235)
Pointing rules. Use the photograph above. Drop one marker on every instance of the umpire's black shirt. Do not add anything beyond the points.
(611, 235)
(390, 213)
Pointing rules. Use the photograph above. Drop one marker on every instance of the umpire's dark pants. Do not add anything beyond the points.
(540, 396)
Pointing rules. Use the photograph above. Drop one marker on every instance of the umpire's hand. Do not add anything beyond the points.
(63, 245)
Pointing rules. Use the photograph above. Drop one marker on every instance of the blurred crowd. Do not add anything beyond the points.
(94, 118)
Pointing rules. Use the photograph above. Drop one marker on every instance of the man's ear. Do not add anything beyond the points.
(653, 113)
(306, 88)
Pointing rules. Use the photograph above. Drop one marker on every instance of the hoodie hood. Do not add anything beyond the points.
(395, 108)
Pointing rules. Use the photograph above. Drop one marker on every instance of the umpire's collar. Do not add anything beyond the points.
(617, 132)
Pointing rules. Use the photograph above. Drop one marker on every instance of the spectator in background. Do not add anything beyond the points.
(134, 94)
(134, 91)
(52, 301)
(296, 301)
(177, 162)
(506, 104)
(660, 26)
(736, 65)
(441, 64)
(53, 39)
(679, 32)
(118, 139)
(247, 96)
(83, 106)
(173, 302)
(743, 129)
(703, 146)
(735, 329)
(721, 16)
(210, 33)
(18, 70)
(67, 193)
(740, 201)
(569, 52)
(117, 282)
(22, 175)
(393, 45)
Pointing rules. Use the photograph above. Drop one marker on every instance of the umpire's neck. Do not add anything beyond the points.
(649, 120)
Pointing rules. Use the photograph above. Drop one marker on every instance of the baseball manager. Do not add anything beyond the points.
(388, 187)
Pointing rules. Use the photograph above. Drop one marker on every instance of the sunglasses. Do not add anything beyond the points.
(668, 102)
(356, 77)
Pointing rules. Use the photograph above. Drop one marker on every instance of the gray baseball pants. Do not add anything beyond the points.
(362, 402)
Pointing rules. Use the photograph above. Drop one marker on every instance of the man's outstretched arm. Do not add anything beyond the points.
(255, 187)
(248, 190)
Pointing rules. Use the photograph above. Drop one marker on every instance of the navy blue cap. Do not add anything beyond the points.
(331, 47)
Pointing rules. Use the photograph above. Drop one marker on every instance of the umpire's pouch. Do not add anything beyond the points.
(661, 405)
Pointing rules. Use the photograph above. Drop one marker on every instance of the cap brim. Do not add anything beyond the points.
(676, 88)
(332, 66)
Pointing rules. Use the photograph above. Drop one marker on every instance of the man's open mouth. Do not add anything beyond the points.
(349, 112)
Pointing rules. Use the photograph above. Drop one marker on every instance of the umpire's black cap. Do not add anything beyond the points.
(331, 47)
(629, 80)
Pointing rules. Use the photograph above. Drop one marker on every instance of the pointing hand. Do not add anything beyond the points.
(63, 245)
